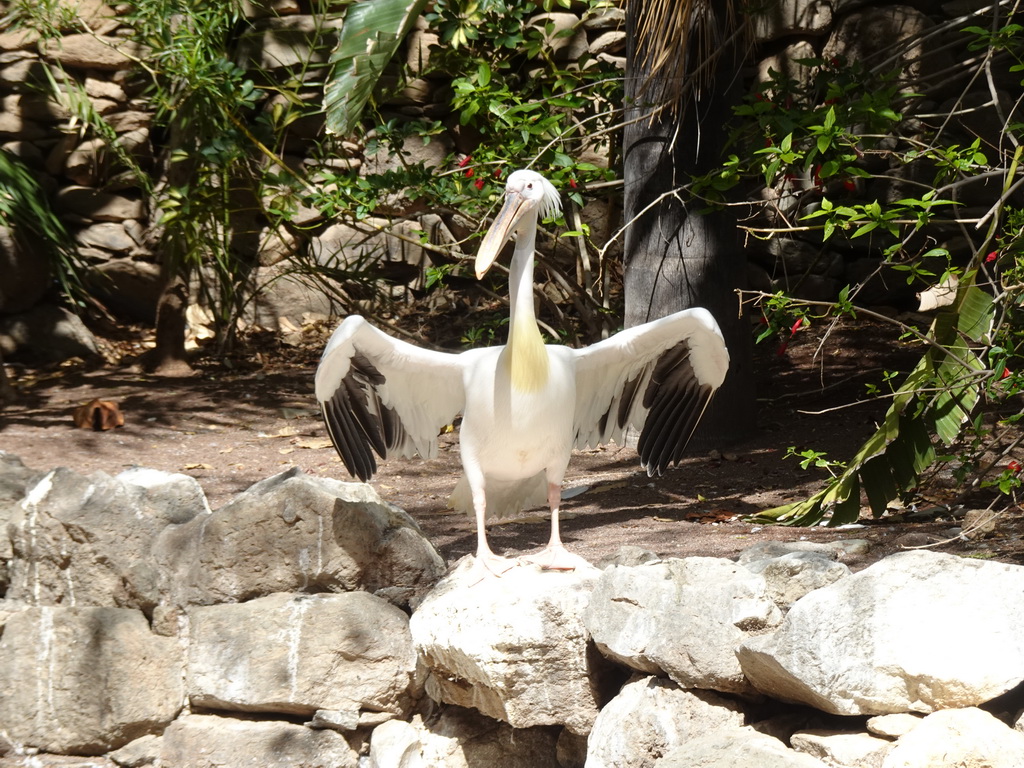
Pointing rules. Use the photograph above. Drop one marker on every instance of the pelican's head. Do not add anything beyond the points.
(528, 195)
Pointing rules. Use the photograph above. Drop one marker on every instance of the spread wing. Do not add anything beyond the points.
(380, 394)
(657, 377)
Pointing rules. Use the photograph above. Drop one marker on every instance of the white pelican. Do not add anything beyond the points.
(525, 405)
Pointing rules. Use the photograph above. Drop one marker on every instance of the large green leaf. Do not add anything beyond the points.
(937, 397)
(369, 37)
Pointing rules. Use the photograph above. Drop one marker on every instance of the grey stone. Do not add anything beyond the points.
(98, 205)
(26, 271)
(208, 741)
(842, 749)
(736, 748)
(296, 654)
(460, 738)
(650, 717)
(297, 533)
(682, 617)
(86, 680)
(793, 575)
(46, 333)
(87, 540)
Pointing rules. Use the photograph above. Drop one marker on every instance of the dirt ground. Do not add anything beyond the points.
(231, 427)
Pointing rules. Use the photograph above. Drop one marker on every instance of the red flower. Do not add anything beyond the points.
(792, 331)
(479, 183)
(850, 185)
(465, 161)
(1006, 372)
(497, 172)
(572, 182)
(1013, 466)
(469, 173)
(992, 257)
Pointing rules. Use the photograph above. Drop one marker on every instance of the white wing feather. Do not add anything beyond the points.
(421, 388)
(612, 376)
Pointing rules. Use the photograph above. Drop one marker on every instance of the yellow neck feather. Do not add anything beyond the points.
(528, 357)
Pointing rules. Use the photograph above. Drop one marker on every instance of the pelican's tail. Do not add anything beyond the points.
(505, 498)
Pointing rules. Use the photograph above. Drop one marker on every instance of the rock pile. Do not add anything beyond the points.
(308, 623)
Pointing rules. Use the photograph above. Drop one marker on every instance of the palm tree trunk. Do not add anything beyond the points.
(675, 257)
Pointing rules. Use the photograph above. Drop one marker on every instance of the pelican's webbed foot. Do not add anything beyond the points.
(555, 557)
(488, 563)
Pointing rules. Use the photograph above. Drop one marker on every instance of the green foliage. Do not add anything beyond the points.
(819, 143)
(25, 211)
(369, 38)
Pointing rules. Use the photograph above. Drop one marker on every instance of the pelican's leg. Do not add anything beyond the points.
(485, 558)
(555, 557)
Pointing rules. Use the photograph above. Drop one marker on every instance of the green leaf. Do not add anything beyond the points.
(483, 73)
(830, 117)
(368, 39)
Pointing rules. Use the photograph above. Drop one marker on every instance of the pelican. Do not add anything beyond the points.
(524, 405)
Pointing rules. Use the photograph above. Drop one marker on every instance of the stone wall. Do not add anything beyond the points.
(112, 219)
(309, 624)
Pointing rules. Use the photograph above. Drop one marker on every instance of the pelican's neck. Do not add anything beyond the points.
(528, 359)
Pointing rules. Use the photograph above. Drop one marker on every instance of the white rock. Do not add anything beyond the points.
(514, 647)
(966, 738)
(867, 644)
(683, 617)
(842, 749)
(297, 654)
(793, 575)
(459, 738)
(735, 748)
(649, 717)
(893, 726)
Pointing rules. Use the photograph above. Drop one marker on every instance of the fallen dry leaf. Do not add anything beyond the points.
(316, 443)
(197, 466)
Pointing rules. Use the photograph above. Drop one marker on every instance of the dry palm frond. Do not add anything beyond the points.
(678, 44)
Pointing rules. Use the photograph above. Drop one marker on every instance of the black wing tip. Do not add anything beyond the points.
(670, 427)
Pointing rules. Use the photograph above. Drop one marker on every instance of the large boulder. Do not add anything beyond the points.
(297, 533)
(902, 635)
(650, 717)
(296, 654)
(86, 680)
(681, 617)
(514, 648)
(46, 333)
(87, 540)
(208, 741)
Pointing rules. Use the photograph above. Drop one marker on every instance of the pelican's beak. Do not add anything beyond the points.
(501, 230)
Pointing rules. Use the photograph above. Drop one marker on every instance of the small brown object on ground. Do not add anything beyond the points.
(98, 415)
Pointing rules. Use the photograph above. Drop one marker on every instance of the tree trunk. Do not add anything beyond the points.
(675, 257)
(168, 358)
